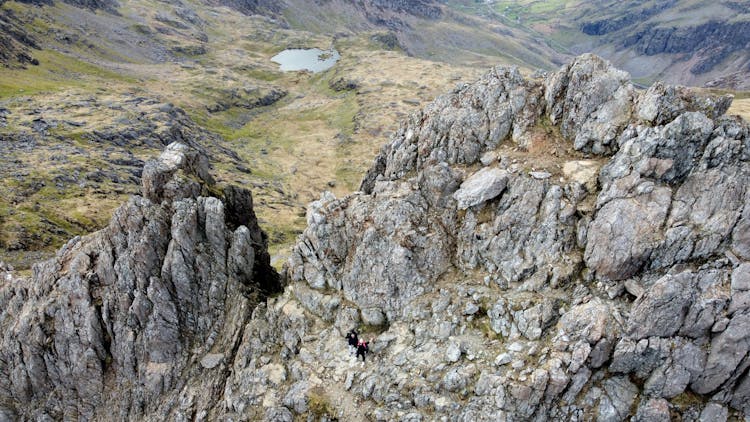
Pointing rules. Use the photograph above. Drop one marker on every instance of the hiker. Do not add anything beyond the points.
(351, 337)
(362, 348)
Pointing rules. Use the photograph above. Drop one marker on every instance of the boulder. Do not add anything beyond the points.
(480, 187)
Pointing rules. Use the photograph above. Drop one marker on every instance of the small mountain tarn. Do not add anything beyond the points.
(314, 59)
(606, 281)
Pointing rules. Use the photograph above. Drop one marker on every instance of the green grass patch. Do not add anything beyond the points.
(14, 6)
(263, 75)
(318, 403)
(366, 331)
(55, 72)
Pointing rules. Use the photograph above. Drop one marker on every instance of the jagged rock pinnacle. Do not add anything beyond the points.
(115, 324)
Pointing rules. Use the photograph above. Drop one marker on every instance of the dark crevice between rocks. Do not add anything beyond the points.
(238, 211)
(267, 279)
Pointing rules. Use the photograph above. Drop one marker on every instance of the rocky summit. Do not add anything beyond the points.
(554, 247)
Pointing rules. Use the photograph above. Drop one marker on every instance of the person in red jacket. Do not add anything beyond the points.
(362, 349)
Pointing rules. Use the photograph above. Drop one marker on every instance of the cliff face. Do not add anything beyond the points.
(699, 43)
(88, 4)
(713, 42)
(15, 42)
(422, 8)
(250, 7)
(632, 17)
(555, 248)
(120, 322)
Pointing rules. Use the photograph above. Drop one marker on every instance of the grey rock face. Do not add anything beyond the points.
(615, 403)
(656, 410)
(459, 127)
(665, 187)
(621, 237)
(661, 215)
(481, 187)
(398, 247)
(114, 323)
(661, 310)
(703, 36)
(728, 350)
(661, 104)
(714, 412)
(296, 398)
(532, 230)
(591, 101)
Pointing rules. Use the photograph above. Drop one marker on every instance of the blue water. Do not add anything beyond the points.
(313, 59)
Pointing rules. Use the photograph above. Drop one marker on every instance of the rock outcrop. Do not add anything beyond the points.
(138, 319)
(559, 248)
(15, 41)
(632, 17)
(251, 7)
(598, 300)
(428, 9)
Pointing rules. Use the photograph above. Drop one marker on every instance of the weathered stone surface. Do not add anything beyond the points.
(714, 412)
(728, 349)
(533, 231)
(118, 318)
(212, 360)
(625, 231)
(296, 398)
(591, 321)
(661, 103)
(279, 414)
(591, 101)
(653, 410)
(661, 310)
(453, 353)
(584, 172)
(480, 187)
(397, 248)
(741, 278)
(459, 127)
(619, 396)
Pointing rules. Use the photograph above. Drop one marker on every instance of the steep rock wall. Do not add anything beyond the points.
(122, 322)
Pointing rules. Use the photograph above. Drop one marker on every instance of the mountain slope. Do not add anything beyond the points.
(692, 42)
(562, 247)
(426, 29)
(113, 88)
(116, 82)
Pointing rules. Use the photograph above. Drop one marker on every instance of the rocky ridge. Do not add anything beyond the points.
(557, 247)
(15, 42)
(598, 293)
(711, 42)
